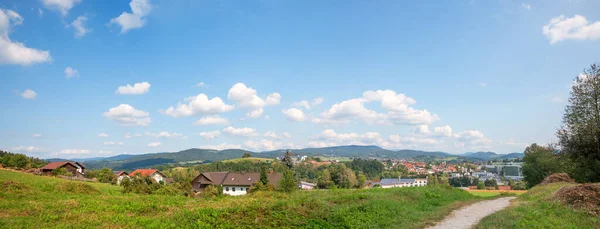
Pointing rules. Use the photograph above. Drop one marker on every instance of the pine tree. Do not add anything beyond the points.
(263, 174)
(287, 160)
(287, 182)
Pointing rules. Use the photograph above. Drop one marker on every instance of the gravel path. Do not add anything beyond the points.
(469, 216)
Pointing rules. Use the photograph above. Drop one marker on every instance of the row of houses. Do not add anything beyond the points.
(395, 183)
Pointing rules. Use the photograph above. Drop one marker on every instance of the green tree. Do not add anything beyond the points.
(105, 175)
(579, 136)
(287, 182)
(19, 161)
(480, 185)
(361, 180)
(324, 180)
(247, 155)
(264, 179)
(60, 172)
(287, 160)
(539, 162)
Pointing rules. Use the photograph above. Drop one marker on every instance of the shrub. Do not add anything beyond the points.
(60, 172)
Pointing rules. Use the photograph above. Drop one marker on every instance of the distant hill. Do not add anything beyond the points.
(491, 155)
(196, 156)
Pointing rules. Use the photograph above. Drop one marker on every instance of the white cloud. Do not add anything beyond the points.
(134, 20)
(329, 138)
(29, 94)
(63, 6)
(262, 145)
(126, 115)
(199, 104)
(302, 103)
(40, 12)
(246, 132)
(73, 152)
(120, 143)
(212, 120)
(164, 134)
(526, 6)
(294, 114)
(109, 143)
(102, 135)
(222, 146)
(154, 144)
(36, 135)
(15, 52)
(71, 72)
(286, 135)
(482, 84)
(411, 141)
(470, 138)
(210, 135)
(575, 28)
(445, 131)
(28, 149)
(347, 110)
(317, 101)
(79, 26)
(128, 135)
(136, 89)
(246, 98)
(201, 84)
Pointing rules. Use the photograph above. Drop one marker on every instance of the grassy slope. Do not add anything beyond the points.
(536, 209)
(28, 201)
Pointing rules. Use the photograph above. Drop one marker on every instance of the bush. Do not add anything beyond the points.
(211, 191)
(60, 172)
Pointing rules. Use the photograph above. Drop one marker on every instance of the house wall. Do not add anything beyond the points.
(120, 178)
(158, 178)
(239, 190)
(306, 187)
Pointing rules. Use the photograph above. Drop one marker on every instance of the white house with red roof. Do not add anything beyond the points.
(152, 173)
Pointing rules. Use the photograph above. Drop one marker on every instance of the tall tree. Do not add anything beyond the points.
(246, 155)
(287, 182)
(539, 162)
(579, 136)
(263, 174)
(287, 160)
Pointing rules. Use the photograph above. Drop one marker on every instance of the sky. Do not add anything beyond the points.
(83, 78)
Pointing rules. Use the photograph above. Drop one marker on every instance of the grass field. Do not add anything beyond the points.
(28, 201)
(491, 193)
(253, 159)
(536, 209)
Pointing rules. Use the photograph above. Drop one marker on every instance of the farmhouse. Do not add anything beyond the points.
(306, 185)
(233, 183)
(392, 183)
(120, 175)
(75, 168)
(152, 173)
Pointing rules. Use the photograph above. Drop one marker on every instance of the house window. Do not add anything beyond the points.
(233, 189)
(227, 189)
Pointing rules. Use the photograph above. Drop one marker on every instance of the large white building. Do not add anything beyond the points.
(393, 183)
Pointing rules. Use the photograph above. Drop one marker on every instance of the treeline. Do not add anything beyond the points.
(577, 151)
(20, 161)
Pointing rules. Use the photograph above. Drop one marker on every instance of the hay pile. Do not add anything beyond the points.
(585, 197)
(557, 177)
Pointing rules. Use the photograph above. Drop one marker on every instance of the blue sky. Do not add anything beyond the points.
(82, 78)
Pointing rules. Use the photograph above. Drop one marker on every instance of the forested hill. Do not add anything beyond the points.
(193, 156)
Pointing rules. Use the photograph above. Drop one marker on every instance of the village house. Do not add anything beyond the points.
(76, 169)
(120, 175)
(233, 183)
(306, 185)
(393, 183)
(152, 173)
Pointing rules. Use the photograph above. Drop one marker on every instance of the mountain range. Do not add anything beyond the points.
(193, 156)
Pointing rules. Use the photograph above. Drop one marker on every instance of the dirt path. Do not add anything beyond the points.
(469, 216)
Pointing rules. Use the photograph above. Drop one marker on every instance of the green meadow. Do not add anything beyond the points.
(29, 201)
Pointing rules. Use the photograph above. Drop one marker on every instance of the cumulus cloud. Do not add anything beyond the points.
(103, 135)
(136, 89)
(245, 97)
(210, 135)
(154, 144)
(199, 104)
(222, 146)
(71, 72)
(412, 141)
(317, 101)
(73, 152)
(273, 135)
(262, 145)
(27, 149)
(330, 138)
(470, 138)
(14, 52)
(445, 131)
(28, 94)
(212, 120)
(398, 109)
(128, 135)
(36, 135)
(575, 28)
(245, 132)
(164, 134)
(110, 143)
(201, 84)
(63, 6)
(79, 26)
(302, 103)
(294, 114)
(126, 115)
(134, 20)
(440, 131)
(526, 6)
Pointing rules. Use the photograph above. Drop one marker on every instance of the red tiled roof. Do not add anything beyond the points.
(55, 165)
(143, 172)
